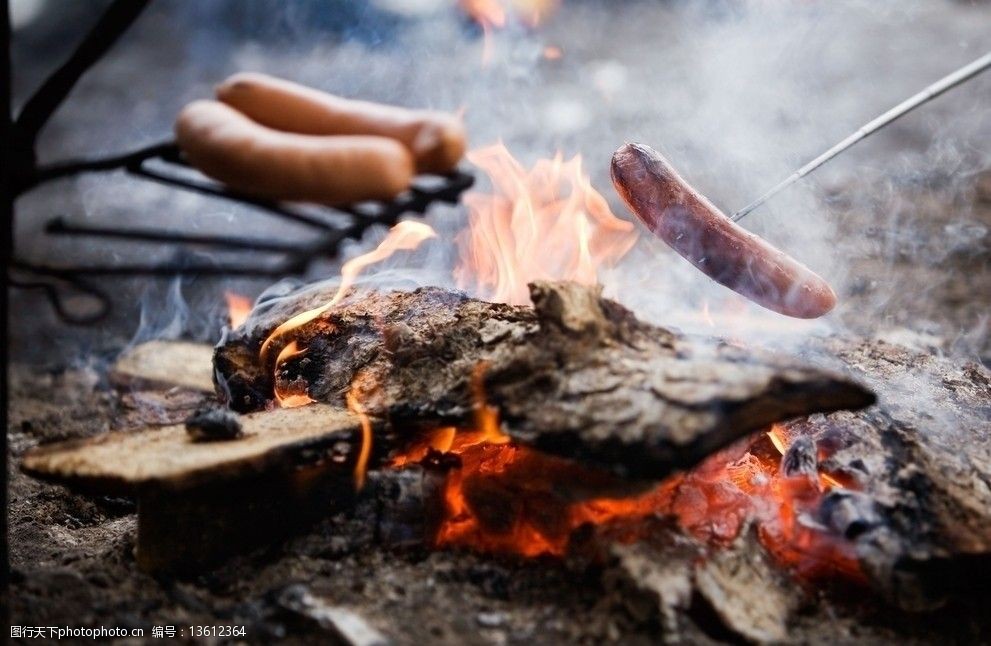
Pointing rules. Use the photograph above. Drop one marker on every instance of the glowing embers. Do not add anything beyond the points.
(746, 482)
(508, 498)
(542, 223)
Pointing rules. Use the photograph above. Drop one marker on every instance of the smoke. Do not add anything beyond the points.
(736, 95)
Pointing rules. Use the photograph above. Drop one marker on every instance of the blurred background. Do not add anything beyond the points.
(736, 94)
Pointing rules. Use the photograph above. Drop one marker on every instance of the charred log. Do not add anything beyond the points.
(575, 375)
(921, 464)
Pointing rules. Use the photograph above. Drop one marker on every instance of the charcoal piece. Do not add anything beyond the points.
(800, 459)
(408, 505)
(848, 513)
(575, 375)
(213, 424)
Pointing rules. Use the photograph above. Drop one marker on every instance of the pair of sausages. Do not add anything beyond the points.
(276, 139)
(702, 234)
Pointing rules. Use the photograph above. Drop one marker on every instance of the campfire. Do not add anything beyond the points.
(479, 361)
(502, 496)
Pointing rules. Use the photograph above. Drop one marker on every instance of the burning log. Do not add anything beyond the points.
(576, 375)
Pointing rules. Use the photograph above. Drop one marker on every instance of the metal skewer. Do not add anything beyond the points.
(931, 92)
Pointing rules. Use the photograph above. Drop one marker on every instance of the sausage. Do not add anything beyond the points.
(701, 233)
(231, 148)
(436, 139)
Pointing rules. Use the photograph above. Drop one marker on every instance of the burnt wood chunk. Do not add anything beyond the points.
(735, 593)
(800, 459)
(575, 375)
(213, 424)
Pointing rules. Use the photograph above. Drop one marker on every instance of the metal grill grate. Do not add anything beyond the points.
(163, 163)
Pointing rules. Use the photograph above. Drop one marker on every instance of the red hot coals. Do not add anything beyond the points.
(700, 232)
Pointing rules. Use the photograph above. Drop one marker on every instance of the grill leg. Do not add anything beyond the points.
(6, 248)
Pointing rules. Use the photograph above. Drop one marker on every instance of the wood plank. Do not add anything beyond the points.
(167, 456)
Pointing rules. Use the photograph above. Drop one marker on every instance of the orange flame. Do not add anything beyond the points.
(361, 466)
(404, 236)
(487, 13)
(492, 15)
(238, 308)
(534, 13)
(297, 396)
(512, 499)
(544, 223)
(496, 13)
(486, 416)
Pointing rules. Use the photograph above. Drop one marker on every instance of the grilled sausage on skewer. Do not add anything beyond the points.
(436, 139)
(712, 242)
(229, 147)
